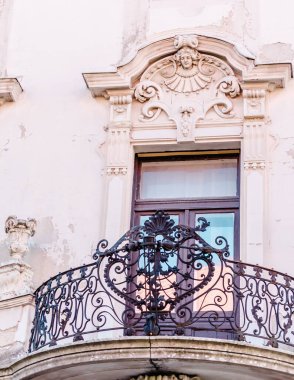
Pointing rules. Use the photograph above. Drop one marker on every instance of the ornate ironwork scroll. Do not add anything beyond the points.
(162, 278)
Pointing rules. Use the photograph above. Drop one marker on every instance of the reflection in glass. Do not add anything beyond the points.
(221, 224)
(219, 299)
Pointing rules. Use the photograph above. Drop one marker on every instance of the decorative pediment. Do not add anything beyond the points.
(185, 81)
(186, 86)
(127, 75)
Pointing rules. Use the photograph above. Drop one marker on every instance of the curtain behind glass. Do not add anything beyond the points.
(189, 179)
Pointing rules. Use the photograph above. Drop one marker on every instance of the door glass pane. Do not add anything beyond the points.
(189, 179)
(221, 224)
(219, 298)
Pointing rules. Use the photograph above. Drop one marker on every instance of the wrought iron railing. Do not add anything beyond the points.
(165, 279)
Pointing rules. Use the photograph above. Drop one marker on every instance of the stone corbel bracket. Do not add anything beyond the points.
(10, 89)
(255, 117)
(120, 106)
(254, 103)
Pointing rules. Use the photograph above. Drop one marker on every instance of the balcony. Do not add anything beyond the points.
(164, 279)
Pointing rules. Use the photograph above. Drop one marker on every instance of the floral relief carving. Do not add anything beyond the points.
(187, 120)
(189, 79)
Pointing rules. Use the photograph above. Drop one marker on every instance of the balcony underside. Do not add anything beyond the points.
(126, 357)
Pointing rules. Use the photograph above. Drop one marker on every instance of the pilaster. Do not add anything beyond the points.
(254, 179)
(119, 164)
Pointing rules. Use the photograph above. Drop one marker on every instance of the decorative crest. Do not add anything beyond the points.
(159, 223)
(186, 40)
(187, 76)
(154, 252)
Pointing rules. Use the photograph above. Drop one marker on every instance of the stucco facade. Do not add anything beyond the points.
(82, 91)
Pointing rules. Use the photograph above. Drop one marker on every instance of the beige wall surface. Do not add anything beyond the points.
(53, 138)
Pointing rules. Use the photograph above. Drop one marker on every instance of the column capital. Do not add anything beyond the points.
(254, 100)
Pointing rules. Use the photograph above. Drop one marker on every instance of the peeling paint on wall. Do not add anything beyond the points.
(71, 227)
(23, 131)
(47, 233)
(291, 153)
(136, 22)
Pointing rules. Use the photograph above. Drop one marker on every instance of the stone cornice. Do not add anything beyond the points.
(10, 89)
(273, 75)
(206, 33)
(24, 300)
(99, 83)
(125, 76)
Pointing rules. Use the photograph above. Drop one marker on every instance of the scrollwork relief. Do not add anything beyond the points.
(184, 80)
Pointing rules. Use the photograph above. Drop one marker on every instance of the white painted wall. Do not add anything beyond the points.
(50, 160)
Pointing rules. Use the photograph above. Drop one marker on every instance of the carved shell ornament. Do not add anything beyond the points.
(188, 74)
(198, 81)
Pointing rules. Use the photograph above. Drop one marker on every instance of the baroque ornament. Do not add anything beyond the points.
(186, 86)
(19, 231)
(166, 377)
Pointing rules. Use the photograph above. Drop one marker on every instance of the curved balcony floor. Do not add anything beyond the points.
(124, 358)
